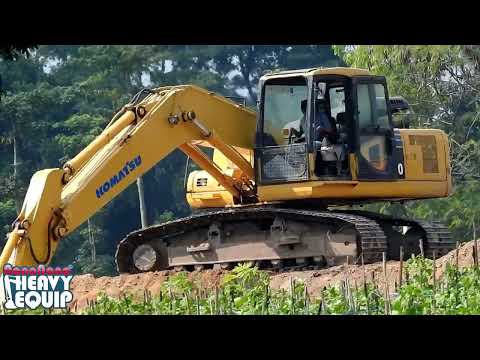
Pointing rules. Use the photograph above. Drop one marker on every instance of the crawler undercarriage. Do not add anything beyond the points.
(278, 238)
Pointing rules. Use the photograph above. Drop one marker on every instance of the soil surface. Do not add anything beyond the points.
(86, 288)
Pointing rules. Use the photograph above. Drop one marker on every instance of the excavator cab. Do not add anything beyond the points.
(325, 124)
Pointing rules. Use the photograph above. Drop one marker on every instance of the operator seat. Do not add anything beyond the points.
(333, 153)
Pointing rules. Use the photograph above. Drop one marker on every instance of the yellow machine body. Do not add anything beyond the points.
(427, 175)
(204, 191)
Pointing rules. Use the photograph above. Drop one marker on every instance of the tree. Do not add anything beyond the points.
(442, 84)
(243, 65)
(14, 52)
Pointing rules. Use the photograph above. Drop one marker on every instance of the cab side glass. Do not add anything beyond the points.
(364, 107)
(381, 107)
(373, 121)
(337, 101)
(372, 106)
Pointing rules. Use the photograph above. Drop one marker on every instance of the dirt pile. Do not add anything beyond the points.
(318, 279)
(86, 288)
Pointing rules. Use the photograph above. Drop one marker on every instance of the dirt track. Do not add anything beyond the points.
(86, 288)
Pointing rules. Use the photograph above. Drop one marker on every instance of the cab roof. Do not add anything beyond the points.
(344, 71)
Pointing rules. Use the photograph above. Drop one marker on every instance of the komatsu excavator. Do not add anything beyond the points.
(322, 139)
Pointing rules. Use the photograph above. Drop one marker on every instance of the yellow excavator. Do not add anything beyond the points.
(274, 187)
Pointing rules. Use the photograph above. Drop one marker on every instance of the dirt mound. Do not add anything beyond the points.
(86, 288)
(318, 279)
(465, 257)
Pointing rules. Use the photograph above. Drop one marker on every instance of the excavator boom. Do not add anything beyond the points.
(59, 200)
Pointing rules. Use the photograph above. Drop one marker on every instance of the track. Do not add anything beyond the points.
(438, 239)
(374, 236)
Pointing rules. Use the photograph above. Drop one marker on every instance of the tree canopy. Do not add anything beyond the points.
(13, 52)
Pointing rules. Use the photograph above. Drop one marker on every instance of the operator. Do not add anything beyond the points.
(324, 125)
(303, 106)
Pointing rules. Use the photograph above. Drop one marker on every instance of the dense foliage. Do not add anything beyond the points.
(13, 52)
(56, 101)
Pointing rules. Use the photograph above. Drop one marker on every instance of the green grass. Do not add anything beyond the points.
(246, 291)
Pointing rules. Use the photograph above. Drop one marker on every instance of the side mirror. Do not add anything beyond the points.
(401, 112)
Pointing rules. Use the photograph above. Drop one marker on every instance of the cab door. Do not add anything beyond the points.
(376, 144)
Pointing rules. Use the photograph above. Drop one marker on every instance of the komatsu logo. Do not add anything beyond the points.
(129, 167)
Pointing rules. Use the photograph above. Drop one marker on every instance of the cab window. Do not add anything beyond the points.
(372, 106)
(337, 101)
(373, 115)
(284, 108)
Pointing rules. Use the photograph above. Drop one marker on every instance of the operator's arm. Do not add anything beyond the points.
(60, 200)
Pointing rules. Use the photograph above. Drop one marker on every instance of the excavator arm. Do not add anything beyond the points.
(144, 132)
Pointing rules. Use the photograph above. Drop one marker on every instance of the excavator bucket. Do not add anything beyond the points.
(30, 242)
